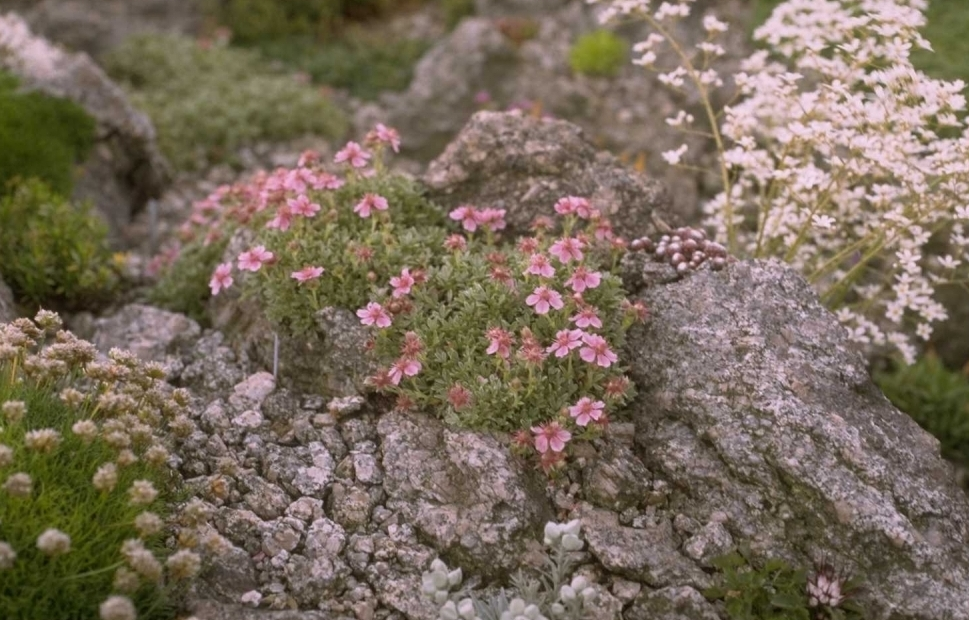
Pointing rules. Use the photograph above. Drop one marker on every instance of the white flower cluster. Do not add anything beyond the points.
(847, 158)
(19, 49)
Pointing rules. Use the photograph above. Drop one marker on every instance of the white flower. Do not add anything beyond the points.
(824, 222)
(713, 25)
(7, 555)
(118, 608)
(673, 157)
(54, 542)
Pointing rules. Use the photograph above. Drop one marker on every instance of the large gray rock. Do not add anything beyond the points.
(522, 164)
(8, 311)
(755, 408)
(96, 26)
(125, 168)
(150, 333)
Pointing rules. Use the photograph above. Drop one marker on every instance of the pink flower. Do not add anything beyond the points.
(353, 153)
(374, 314)
(467, 215)
(572, 205)
(596, 351)
(528, 245)
(368, 202)
(587, 317)
(539, 265)
(566, 249)
(550, 435)
(543, 298)
(221, 278)
(382, 133)
(582, 279)
(254, 259)
(283, 219)
(458, 396)
(403, 367)
(402, 283)
(566, 340)
(307, 273)
(586, 410)
(325, 180)
(456, 243)
(500, 344)
(303, 206)
(308, 158)
(494, 219)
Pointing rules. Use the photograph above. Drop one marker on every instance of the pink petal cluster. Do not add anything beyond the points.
(254, 259)
(374, 314)
(539, 265)
(582, 279)
(283, 219)
(404, 367)
(597, 351)
(302, 205)
(221, 278)
(543, 299)
(586, 410)
(567, 249)
(370, 202)
(500, 342)
(573, 205)
(386, 135)
(456, 243)
(306, 274)
(586, 318)
(402, 283)
(354, 154)
(552, 436)
(471, 217)
(566, 340)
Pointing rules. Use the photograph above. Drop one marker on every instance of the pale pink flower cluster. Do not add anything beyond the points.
(844, 131)
(25, 53)
(472, 217)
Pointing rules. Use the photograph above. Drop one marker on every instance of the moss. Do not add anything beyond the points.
(600, 53)
(41, 136)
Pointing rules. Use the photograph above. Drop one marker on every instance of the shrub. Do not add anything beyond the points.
(552, 594)
(363, 63)
(41, 136)
(935, 397)
(253, 21)
(600, 53)
(184, 283)
(53, 252)
(840, 157)
(776, 590)
(456, 10)
(206, 103)
(85, 488)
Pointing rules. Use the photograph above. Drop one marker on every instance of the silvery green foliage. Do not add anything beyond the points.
(552, 595)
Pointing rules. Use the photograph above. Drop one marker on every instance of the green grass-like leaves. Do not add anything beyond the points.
(600, 53)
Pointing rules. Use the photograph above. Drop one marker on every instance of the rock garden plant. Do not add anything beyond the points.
(86, 494)
(839, 156)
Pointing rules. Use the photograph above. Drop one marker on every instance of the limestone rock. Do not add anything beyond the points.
(150, 333)
(522, 164)
(8, 311)
(754, 406)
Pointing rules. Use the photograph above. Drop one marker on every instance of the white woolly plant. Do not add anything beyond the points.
(549, 596)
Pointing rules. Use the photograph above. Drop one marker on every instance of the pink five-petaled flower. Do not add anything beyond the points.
(307, 273)
(597, 351)
(566, 249)
(303, 206)
(458, 396)
(494, 219)
(467, 215)
(539, 265)
(221, 278)
(582, 279)
(566, 340)
(500, 344)
(586, 410)
(550, 435)
(387, 135)
(586, 318)
(573, 205)
(374, 314)
(402, 283)
(353, 153)
(368, 203)
(283, 219)
(403, 367)
(254, 259)
(543, 298)
(456, 243)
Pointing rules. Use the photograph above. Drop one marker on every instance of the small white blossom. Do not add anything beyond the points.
(118, 608)
(673, 157)
(54, 542)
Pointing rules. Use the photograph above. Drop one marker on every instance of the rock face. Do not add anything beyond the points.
(96, 26)
(125, 168)
(150, 333)
(756, 410)
(522, 164)
(8, 310)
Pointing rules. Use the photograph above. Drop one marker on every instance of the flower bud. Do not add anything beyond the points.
(466, 609)
(571, 542)
(567, 594)
(448, 611)
(454, 577)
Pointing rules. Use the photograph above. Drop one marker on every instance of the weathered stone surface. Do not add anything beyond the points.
(616, 479)
(522, 164)
(672, 603)
(753, 405)
(150, 333)
(125, 168)
(462, 490)
(8, 311)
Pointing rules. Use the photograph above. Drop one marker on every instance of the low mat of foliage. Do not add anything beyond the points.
(53, 252)
(601, 53)
(208, 101)
(937, 398)
(41, 136)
